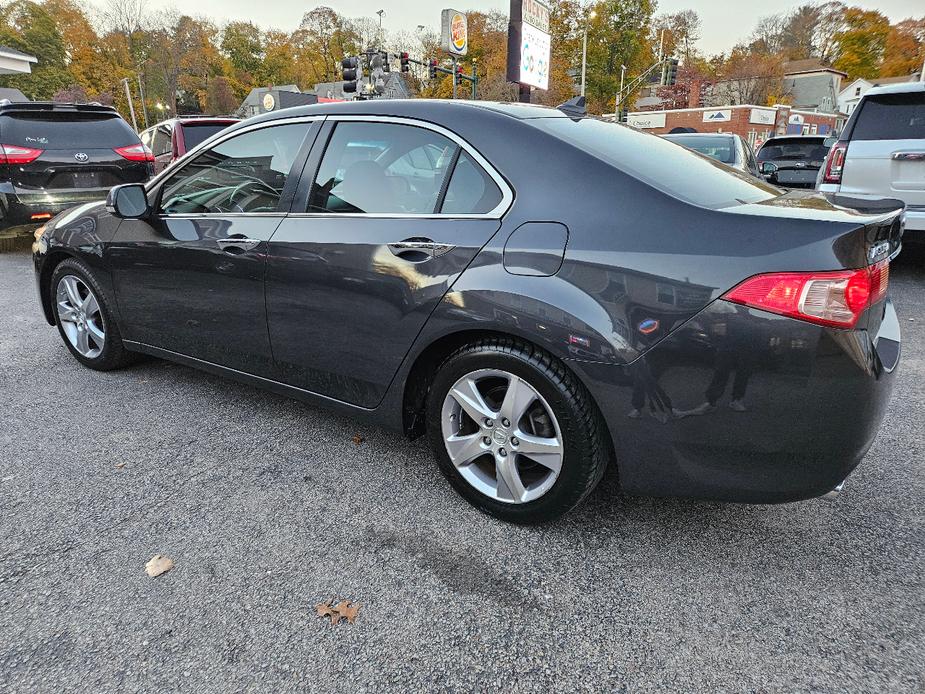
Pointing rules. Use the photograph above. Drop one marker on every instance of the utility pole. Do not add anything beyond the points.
(131, 106)
(584, 50)
(144, 106)
(454, 76)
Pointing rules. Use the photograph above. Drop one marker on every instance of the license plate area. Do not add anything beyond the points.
(85, 179)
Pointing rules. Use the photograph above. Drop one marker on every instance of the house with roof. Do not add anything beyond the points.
(849, 97)
(811, 85)
(13, 62)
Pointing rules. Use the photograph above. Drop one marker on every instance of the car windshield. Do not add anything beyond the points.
(66, 131)
(661, 164)
(197, 133)
(719, 148)
(800, 149)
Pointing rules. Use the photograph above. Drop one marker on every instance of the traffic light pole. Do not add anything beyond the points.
(632, 85)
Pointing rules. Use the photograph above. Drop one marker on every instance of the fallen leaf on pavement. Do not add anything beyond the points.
(357, 439)
(119, 466)
(158, 564)
(347, 610)
(342, 610)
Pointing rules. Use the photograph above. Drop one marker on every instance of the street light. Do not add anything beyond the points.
(584, 51)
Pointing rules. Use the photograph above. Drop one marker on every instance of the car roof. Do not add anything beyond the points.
(901, 88)
(414, 108)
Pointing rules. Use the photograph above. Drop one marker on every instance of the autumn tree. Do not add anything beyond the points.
(904, 51)
(29, 27)
(861, 42)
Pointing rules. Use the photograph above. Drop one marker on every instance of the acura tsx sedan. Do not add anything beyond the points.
(540, 294)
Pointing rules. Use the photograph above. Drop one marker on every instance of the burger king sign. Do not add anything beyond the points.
(454, 32)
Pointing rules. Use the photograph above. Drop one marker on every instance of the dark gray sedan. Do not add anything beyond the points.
(541, 294)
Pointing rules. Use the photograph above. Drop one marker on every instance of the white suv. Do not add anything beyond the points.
(881, 153)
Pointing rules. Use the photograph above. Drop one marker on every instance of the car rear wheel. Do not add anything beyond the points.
(84, 319)
(514, 431)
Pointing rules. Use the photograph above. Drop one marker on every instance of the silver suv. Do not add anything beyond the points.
(881, 153)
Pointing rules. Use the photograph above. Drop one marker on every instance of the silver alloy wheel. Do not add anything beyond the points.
(79, 313)
(502, 436)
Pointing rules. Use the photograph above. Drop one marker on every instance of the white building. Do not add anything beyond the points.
(849, 97)
(13, 62)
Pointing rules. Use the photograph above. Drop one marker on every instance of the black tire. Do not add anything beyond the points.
(113, 354)
(586, 452)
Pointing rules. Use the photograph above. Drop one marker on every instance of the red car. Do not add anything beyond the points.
(171, 139)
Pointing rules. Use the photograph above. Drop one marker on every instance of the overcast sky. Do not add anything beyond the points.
(724, 23)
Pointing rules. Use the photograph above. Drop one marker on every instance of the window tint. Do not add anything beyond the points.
(244, 174)
(794, 148)
(891, 117)
(160, 143)
(659, 163)
(471, 189)
(719, 148)
(197, 133)
(66, 131)
(381, 168)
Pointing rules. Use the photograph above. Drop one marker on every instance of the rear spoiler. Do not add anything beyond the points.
(54, 107)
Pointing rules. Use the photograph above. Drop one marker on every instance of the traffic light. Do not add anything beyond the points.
(432, 68)
(405, 60)
(353, 73)
(624, 114)
(385, 62)
(672, 72)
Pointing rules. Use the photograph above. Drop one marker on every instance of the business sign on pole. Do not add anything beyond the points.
(762, 116)
(723, 115)
(644, 121)
(536, 14)
(534, 57)
(454, 32)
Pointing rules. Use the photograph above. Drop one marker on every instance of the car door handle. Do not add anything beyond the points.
(409, 248)
(237, 244)
(909, 156)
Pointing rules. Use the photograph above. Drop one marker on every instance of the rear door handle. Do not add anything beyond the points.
(909, 156)
(413, 246)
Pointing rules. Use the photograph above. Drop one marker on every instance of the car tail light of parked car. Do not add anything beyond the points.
(13, 154)
(834, 163)
(135, 153)
(835, 299)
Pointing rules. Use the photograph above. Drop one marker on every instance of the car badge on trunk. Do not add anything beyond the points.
(82, 157)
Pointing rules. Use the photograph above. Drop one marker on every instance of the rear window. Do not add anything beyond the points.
(66, 131)
(891, 117)
(197, 133)
(798, 149)
(719, 148)
(673, 170)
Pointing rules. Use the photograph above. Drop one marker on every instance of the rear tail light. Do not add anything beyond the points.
(835, 299)
(14, 154)
(834, 163)
(40, 216)
(137, 152)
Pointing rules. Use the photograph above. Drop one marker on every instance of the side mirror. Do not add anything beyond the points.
(129, 201)
(768, 168)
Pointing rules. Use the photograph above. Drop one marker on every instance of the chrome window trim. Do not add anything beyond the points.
(507, 194)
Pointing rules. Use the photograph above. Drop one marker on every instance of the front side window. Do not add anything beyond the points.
(382, 168)
(160, 143)
(246, 173)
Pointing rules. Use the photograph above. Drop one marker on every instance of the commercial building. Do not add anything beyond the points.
(755, 123)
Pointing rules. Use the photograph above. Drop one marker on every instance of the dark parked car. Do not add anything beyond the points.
(539, 294)
(794, 161)
(172, 138)
(54, 156)
(727, 148)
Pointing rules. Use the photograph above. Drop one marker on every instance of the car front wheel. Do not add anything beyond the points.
(84, 319)
(514, 431)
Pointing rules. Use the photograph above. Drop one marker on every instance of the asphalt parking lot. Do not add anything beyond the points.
(268, 506)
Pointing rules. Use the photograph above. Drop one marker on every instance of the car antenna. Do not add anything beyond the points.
(574, 108)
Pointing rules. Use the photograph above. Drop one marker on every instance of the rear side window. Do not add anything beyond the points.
(66, 131)
(719, 148)
(659, 163)
(381, 168)
(891, 117)
(471, 189)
